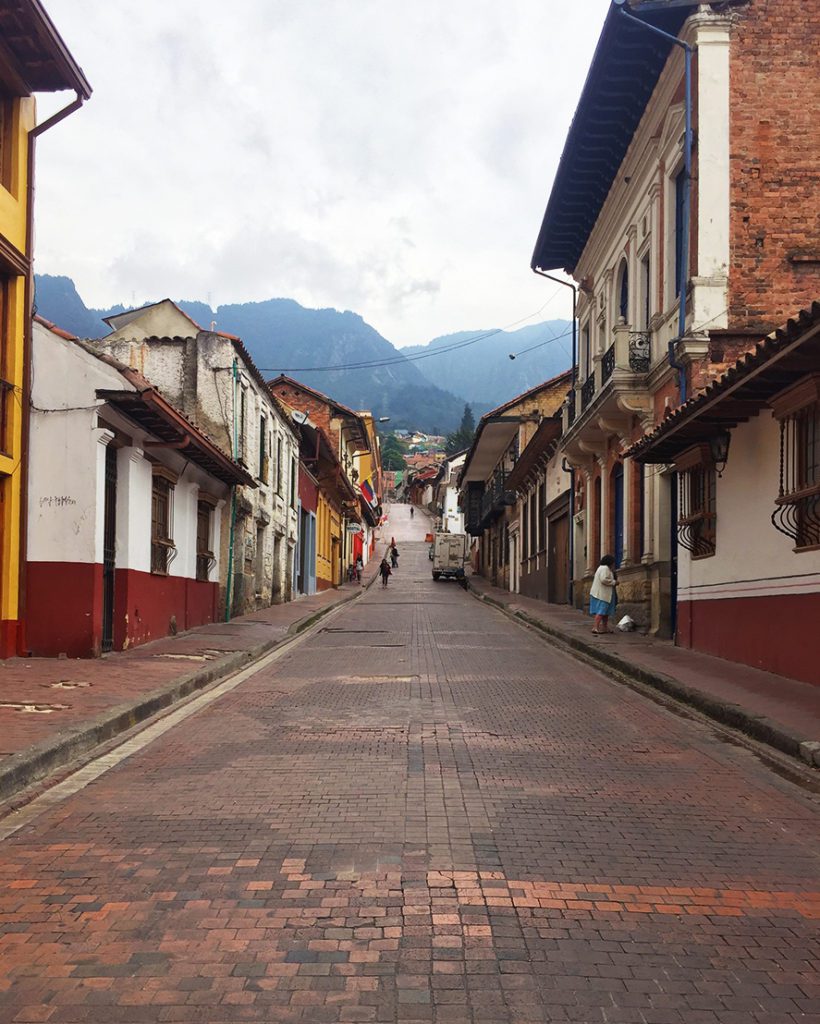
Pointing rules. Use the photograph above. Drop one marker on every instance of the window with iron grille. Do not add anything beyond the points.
(797, 506)
(697, 514)
(204, 555)
(162, 544)
(279, 465)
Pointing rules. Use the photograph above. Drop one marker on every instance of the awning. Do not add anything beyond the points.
(625, 69)
(160, 419)
(777, 362)
(496, 435)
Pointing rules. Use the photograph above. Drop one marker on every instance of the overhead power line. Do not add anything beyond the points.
(398, 358)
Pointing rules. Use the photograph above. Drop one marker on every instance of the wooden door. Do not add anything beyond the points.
(559, 559)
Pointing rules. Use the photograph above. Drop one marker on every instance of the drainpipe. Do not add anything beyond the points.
(228, 590)
(28, 302)
(687, 182)
(570, 469)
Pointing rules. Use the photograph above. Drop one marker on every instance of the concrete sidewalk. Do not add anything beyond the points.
(54, 711)
(781, 712)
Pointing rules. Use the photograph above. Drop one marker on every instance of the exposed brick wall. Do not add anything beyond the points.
(317, 410)
(775, 161)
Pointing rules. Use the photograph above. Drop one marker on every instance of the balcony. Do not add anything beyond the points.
(495, 499)
(611, 395)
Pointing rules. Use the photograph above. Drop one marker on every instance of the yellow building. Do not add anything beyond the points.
(33, 58)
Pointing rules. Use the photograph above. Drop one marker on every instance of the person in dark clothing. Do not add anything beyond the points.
(394, 556)
(384, 571)
(411, 511)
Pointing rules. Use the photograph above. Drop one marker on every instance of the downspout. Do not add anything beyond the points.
(676, 364)
(28, 304)
(228, 590)
(569, 284)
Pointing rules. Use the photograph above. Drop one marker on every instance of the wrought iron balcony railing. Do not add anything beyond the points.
(639, 351)
(588, 390)
(571, 407)
(608, 363)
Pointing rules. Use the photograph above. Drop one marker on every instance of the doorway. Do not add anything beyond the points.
(109, 548)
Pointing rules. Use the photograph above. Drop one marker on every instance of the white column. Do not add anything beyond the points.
(104, 438)
(712, 36)
(133, 510)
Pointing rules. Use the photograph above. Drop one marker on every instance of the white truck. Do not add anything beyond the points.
(449, 552)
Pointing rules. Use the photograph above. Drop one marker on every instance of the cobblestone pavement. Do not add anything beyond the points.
(421, 813)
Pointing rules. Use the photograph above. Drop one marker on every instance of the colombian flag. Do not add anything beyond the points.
(367, 491)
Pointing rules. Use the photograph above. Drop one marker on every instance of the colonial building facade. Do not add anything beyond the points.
(347, 509)
(125, 506)
(33, 59)
(677, 273)
(210, 376)
(746, 451)
(511, 529)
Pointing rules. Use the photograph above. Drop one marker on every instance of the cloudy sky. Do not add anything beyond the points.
(388, 157)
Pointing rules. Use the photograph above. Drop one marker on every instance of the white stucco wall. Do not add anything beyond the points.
(64, 509)
(752, 558)
(67, 468)
(196, 373)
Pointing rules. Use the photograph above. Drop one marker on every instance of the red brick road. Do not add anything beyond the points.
(422, 813)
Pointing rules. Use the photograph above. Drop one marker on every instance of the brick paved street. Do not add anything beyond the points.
(421, 813)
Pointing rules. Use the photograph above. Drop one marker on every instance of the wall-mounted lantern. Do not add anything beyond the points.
(719, 447)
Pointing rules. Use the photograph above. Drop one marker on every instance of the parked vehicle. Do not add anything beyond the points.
(449, 555)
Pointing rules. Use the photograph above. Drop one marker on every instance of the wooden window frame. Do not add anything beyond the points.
(205, 559)
(797, 505)
(697, 502)
(163, 549)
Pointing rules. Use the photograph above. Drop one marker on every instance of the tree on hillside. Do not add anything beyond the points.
(392, 453)
(463, 437)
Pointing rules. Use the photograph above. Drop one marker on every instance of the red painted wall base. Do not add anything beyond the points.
(64, 609)
(11, 631)
(147, 607)
(65, 603)
(769, 633)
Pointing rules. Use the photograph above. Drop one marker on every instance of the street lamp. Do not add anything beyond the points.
(383, 419)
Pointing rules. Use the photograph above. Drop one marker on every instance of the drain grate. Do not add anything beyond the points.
(31, 708)
(68, 684)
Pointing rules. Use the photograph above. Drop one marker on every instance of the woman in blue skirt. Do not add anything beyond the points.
(603, 596)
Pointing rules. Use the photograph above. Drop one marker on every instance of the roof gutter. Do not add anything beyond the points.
(683, 277)
(30, 309)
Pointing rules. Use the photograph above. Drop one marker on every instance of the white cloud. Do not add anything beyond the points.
(385, 157)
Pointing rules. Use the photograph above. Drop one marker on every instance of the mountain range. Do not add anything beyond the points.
(359, 367)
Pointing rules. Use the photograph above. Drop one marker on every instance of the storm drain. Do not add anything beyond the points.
(27, 708)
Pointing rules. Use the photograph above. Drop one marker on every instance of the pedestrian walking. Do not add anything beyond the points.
(411, 511)
(394, 556)
(603, 595)
(384, 571)
(359, 568)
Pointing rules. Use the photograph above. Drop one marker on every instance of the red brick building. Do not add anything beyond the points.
(678, 274)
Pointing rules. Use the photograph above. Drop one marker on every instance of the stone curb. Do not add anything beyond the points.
(757, 726)
(34, 763)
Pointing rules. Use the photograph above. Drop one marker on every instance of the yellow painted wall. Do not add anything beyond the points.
(13, 186)
(328, 544)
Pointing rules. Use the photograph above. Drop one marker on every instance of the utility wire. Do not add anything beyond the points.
(398, 358)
